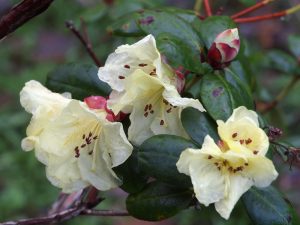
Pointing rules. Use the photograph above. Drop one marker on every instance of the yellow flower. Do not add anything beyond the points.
(78, 145)
(222, 173)
(145, 86)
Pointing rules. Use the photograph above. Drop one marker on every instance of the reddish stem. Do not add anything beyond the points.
(251, 8)
(260, 18)
(207, 8)
(268, 16)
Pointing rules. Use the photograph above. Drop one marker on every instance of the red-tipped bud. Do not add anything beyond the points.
(224, 49)
(99, 102)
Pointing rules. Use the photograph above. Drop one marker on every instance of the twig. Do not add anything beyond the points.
(93, 212)
(66, 215)
(20, 14)
(251, 8)
(268, 16)
(207, 8)
(85, 42)
(197, 6)
(284, 92)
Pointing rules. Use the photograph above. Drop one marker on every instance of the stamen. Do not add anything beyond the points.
(150, 106)
(77, 154)
(169, 110)
(146, 108)
(234, 135)
(209, 157)
(246, 164)
(255, 152)
(121, 77)
(127, 66)
(152, 111)
(83, 136)
(242, 142)
(94, 138)
(143, 64)
(83, 145)
(146, 114)
(248, 141)
(165, 101)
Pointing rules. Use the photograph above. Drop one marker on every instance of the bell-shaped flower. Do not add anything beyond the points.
(222, 173)
(146, 87)
(224, 49)
(77, 143)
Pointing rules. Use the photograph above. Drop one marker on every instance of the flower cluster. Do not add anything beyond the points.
(81, 141)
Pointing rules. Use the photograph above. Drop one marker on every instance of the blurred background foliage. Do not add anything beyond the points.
(42, 44)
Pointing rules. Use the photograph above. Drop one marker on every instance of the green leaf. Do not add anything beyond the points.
(127, 26)
(220, 94)
(240, 91)
(212, 26)
(247, 2)
(81, 80)
(158, 156)
(266, 206)
(281, 61)
(174, 36)
(198, 124)
(158, 201)
(294, 45)
(131, 175)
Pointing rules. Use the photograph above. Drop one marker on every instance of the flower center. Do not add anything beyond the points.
(226, 166)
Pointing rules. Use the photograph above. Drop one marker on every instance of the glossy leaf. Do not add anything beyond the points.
(127, 26)
(198, 124)
(266, 206)
(221, 94)
(294, 45)
(158, 156)
(158, 201)
(212, 26)
(81, 80)
(281, 61)
(131, 175)
(176, 38)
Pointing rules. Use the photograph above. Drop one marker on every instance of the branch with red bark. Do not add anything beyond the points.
(20, 14)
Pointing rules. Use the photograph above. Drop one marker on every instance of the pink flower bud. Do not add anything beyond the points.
(224, 49)
(99, 102)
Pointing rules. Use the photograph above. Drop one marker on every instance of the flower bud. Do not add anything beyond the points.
(99, 102)
(224, 49)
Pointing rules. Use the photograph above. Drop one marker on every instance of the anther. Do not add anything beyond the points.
(82, 146)
(255, 152)
(142, 64)
(162, 122)
(121, 77)
(127, 66)
(234, 135)
(209, 157)
(248, 141)
(146, 108)
(146, 114)
(83, 136)
(169, 110)
(242, 142)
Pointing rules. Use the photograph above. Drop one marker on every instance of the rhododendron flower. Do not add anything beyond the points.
(222, 173)
(145, 86)
(77, 143)
(224, 48)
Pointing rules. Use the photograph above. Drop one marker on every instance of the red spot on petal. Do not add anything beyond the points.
(162, 122)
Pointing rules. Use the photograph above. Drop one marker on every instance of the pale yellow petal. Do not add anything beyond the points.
(127, 59)
(208, 182)
(113, 140)
(172, 96)
(35, 95)
(261, 170)
(236, 187)
(243, 113)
